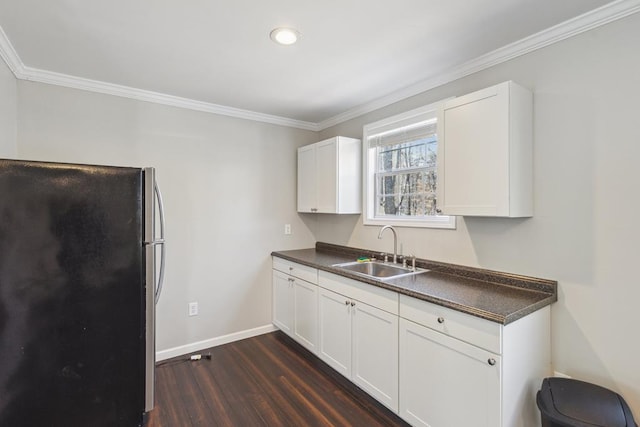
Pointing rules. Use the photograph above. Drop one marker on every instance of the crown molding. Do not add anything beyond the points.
(9, 55)
(49, 77)
(603, 15)
(580, 24)
(22, 72)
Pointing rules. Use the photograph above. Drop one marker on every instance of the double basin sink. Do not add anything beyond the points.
(378, 270)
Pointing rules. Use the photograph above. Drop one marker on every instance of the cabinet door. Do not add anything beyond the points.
(305, 313)
(307, 182)
(445, 382)
(485, 157)
(334, 341)
(327, 175)
(474, 153)
(375, 352)
(283, 302)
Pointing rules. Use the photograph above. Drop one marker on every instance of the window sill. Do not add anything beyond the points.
(443, 222)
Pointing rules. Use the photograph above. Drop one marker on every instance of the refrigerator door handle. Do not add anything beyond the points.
(152, 206)
(160, 241)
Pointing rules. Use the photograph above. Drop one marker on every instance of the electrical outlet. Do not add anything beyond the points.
(193, 309)
(287, 229)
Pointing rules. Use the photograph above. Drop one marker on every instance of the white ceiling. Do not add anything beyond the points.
(352, 52)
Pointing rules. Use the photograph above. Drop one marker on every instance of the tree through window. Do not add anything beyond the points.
(406, 178)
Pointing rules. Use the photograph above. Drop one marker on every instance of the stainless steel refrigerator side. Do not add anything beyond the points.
(149, 240)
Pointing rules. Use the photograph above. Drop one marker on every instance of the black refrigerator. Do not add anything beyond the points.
(78, 287)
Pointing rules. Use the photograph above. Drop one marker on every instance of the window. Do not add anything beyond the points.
(401, 176)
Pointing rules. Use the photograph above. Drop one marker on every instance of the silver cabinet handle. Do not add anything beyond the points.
(346, 303)
(491, 361)
(440, 320)
(160, 241)
(353, 303)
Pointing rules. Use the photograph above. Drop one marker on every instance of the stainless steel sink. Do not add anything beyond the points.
(378, 270)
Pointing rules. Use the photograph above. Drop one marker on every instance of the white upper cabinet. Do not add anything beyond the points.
(307, 179)
(485, 153)
(330, 176)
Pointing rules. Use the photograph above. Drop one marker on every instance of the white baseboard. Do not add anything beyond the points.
(213, 342)
(560, 374)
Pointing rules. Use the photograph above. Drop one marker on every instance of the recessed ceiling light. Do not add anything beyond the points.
(285, 36)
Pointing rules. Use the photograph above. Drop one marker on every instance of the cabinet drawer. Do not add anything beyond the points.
(383, 299)
(465, 327)
(300, 271)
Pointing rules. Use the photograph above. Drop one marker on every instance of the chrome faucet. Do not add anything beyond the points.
(395, 241)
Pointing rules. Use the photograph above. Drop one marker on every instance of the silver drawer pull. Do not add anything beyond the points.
(440, 319)
(491, 361)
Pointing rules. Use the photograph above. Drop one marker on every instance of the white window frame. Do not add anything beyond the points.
(369, 164)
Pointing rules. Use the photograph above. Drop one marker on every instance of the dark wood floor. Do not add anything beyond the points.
(268, 380)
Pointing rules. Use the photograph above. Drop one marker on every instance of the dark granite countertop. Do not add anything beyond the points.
(496, 296)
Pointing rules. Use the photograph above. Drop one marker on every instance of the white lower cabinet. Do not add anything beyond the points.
(434, 366)
(283, 302)
(305, 313)
(460, 370)
(445, 381)
(374, 359)
(358, 339)
(334, 338)
(295, 303)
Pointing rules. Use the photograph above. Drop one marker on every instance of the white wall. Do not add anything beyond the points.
(8, 112)
(228, 186)
(585, 232)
